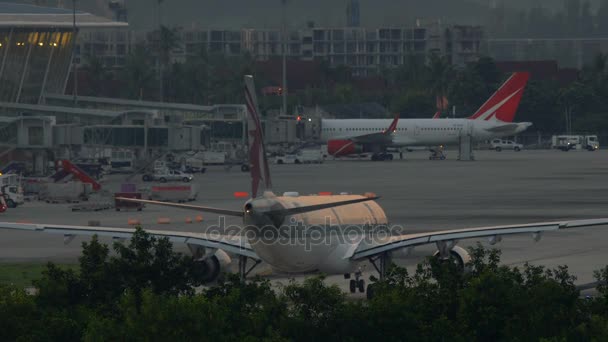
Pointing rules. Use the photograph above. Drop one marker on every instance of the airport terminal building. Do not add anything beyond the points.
(39, 123)
(36, 46)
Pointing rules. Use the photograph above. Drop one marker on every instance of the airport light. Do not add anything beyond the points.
(284, 51)
(74, 65)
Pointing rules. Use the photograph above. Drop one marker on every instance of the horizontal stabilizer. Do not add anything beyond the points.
(502, 128)
(185, 206)
(307, 209)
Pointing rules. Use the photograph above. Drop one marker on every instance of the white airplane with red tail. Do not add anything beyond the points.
(493, 119)
(301, 234)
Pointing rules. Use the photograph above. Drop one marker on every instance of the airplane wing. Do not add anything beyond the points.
(371, 247)
(229, 243)
(385, 136)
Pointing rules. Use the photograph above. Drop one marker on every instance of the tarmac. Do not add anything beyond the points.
(420, 194)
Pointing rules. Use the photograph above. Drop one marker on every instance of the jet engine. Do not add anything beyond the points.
(343, 147)
(459, 256)
(211, 266)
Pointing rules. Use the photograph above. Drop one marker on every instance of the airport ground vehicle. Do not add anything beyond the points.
(3, 205)
(167, 175)
(302, 156)
(500, 144)
(575, 142)
(163, 173)
(174, 193)
(124, 205)
(213, 158)
(66, 168)
(192, 165)
(437, 154)
(12, 192)
(72, 191)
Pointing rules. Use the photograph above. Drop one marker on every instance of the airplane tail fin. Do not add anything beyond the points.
(393, 126)
(502, 105)
(257, 152)
(437, 115)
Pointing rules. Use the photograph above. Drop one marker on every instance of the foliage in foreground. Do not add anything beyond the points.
(145, 292)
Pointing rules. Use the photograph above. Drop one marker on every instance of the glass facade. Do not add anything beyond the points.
(33, 61)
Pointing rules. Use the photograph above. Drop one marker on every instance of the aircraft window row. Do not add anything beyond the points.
(441, 129)
(372, 129)
(329, 129)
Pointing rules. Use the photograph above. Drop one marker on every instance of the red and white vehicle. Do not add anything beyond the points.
(494, 119)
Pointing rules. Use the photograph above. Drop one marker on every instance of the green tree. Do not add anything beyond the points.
(138, 74)
(587, 28)
(574, 100)
(148, 262)
(602, 18)
(98, 74)
(440, 73)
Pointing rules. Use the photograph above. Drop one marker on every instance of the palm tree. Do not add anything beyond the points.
(440, 73)
(97, 73)
(167, 40)
(138, 72)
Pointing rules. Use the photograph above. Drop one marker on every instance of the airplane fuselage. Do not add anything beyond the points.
(421, 132)
(314, 241)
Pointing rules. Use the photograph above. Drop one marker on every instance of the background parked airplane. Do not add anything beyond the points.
(494, 119)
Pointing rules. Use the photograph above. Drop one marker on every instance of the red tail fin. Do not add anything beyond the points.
(437, 115)
(393, 126)
(503, 104)
(257, 153)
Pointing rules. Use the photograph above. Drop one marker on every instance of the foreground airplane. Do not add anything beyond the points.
(300, 234)
(493, 119)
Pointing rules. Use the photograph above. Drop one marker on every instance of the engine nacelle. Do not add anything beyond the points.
(459, 255)
(211, 266)
(343, 147)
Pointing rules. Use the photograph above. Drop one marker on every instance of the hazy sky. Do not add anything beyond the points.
(267, 13)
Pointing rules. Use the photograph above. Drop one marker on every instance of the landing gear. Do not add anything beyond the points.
(380, 263)
(356, 284)
(243, 271)
(361, 285)
(382, 156)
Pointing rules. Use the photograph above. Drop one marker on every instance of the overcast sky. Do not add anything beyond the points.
(267, 13)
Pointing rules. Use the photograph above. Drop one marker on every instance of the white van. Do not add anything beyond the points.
(302, 156)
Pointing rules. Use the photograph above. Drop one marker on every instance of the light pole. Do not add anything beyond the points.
(74, 64)
(160, 54)
(284, 50)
